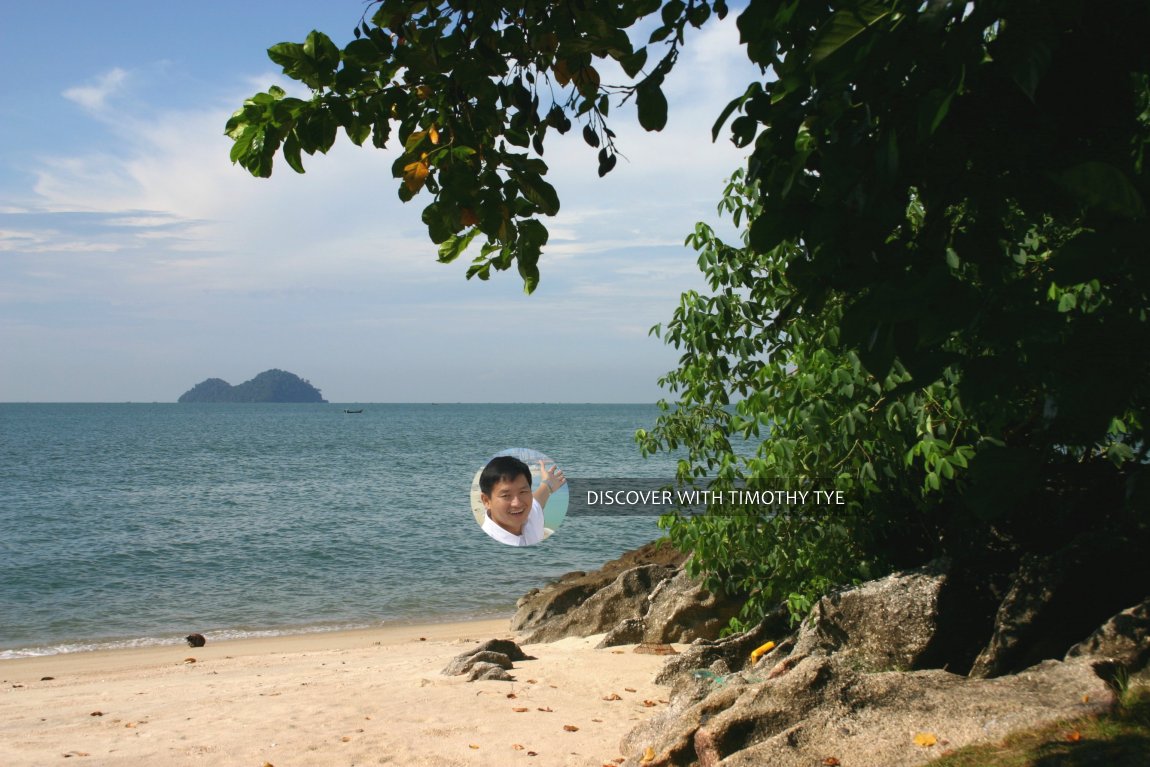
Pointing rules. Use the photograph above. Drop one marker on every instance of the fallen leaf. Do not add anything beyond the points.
(925, 739)
(547, 709)
(346, 739)
(630, 689)
(616, 652)
(1085, 698)
(75, 753)
(1074, 736)
(533, 753)
(423, 639)
(519, 709)
(130, 725)
(512, 695)
(648, 755)
(517, 746)
(570, 728)
(830, 761)
(472, 745)
(612, 696)
(649, 703)
(96, 713)
(531, 681)
(189, 660)
(47, 678)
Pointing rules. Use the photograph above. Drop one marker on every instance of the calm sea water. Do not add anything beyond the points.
(136, 524)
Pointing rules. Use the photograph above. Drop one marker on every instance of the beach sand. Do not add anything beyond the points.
(367, 697)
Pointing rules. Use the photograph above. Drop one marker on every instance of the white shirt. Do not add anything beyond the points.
(532, 529)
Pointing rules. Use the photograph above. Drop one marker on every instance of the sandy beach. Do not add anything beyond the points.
(374, 696)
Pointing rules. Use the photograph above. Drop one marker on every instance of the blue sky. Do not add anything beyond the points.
(136, 260)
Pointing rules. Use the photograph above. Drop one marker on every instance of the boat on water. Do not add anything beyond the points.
(353, 411)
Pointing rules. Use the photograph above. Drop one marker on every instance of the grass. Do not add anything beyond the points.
(1118, 739)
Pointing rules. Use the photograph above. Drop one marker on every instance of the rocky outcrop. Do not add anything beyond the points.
(1124, 639)
(824, 708)
(854, 685)
(645, 596)
(623, 598)
(538, 606)
(681, 610)
(1057, 600)
(882, 625)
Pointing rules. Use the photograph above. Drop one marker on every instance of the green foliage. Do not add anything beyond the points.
(470, 92)
(940, 303)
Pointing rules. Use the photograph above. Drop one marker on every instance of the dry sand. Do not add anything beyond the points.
(366, 697)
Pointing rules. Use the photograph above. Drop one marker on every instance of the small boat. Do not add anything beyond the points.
(354, 411)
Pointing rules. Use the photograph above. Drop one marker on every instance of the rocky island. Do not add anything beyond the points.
(269, 386)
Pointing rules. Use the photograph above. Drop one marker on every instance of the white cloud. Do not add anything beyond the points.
(156, 246)
(94, 97)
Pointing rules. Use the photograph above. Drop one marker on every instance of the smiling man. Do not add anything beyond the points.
(514, 514)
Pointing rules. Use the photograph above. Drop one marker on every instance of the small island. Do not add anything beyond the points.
(269, 386)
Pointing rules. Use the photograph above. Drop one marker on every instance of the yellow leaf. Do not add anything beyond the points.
(648, 755)
(423, 92)
(433, 134)
(925, 739)
(415, 175)
(472, 745)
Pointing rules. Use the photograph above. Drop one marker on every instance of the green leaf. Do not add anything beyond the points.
(453, 246)
(845, 26)
(652, 105)
(537, 190)
(634, 63)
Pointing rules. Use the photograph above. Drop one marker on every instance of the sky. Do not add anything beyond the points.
(137, 261)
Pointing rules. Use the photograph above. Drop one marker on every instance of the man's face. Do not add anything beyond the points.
(509, 504)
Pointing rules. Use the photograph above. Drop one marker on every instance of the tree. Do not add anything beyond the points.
(940, 303)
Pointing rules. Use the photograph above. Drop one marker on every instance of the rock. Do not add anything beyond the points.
(733, 651)
(681, 611)
(504, 646)
(464, 663)
(494, 652)
(540, 605)
(1125, 639)
(488, 672)
(881, 625)
(627, 631)
(195, 640)
(625, 597)
(1058, 599)
(826, 707)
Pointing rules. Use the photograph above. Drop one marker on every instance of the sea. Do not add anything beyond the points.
(128, 525)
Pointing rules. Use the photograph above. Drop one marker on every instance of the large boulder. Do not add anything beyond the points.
(1124, 639)
(625, 597)
(882, 625)
(539, 606)
(825, 707)
(681, 610)
(1057, 600)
